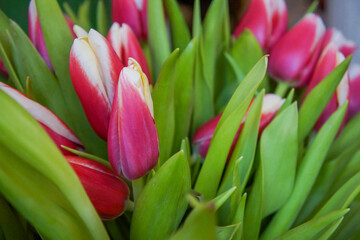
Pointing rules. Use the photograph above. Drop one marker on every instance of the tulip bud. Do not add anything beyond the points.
(354, 102)
(60, 133)
(266, 19)
(203, 136)
(329, 59)
(294, 56)
(94, 70)
(36, 35)
(346, 47)
(133, 143)
(106, 191)
(126, 45)
(133, 13)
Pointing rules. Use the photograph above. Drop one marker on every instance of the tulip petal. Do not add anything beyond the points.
(126, 11)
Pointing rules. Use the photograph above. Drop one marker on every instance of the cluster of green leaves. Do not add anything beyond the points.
(288, 183)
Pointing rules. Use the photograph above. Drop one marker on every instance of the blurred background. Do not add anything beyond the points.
(343, 15)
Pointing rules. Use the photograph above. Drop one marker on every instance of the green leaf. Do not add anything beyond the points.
(327, 232)
(350, 226)
(212, 169)
(347, 137)
(313, 7)
(101, 18)
(185, 146)
(197, 27)
(245, 147)
(88, 156)
(318, 98)
(307, 173)
(288, 101)
(184, 94)
(180, 33)
(164, 108)
(58, 44)
(44, 85)
(68, 10)
(199, 225)
(158, 39)
(10, 223)
(20, 131)
(343, 197)
(311, 228)
(84, 15)
(162, 203)
(221, 198)
(10, 69)
(239, 217)
(254, 207)
(279, 167)
(226, 232)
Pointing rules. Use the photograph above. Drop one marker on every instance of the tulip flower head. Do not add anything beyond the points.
(106, 191)
(346, 47)
(354, 102)
(133, 13)
(126, 45)
(294, 56)
(329, 59)
(133, 144)
(35, 33)
(94, 70)
(266, 19)
(60, 133)
(3, 69)
(203, 136)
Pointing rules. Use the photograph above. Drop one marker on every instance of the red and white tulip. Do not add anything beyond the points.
(203, 136)
(294, 56)
(266, 19)
(346, 47)
(354, 102)
(94, 69)
(126, 45)
(60, 133)
(133, 143)
(106, 191)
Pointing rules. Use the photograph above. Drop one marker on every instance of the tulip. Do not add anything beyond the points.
(133, 13)
(266, 19)
(60, 133)
(126, 45)
(3, 69)
(133, 143)
(329, 59)
(94, 70)
(294, 56)
(203, 136)
(354, 102)
(106, 191)
(346, 47)
(36, 35)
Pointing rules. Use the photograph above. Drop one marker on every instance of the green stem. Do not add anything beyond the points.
(281, 89)
(87, 156)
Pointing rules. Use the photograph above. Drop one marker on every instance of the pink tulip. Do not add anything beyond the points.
(329, 59)
(94, 69)
(294, 56)
(133, 143)
(3, 69)
(133, 13)
(60, 133)
(203, 136)
(126, 45)
(354, 102)
(266, 19)
(36, 35)
(106, 191)
(346, 47)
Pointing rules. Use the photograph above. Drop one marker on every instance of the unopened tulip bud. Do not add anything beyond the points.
(126, 45)
(133, 143)
(266, 19)
(294, 56)
(106, 191)
(60, 133)
(345, 46)
(354, 102)
(94, 69)
(329, 59)
(133, 13)
(203, 136)
(36, 35)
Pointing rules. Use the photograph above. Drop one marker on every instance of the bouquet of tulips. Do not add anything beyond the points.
(148, 128)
